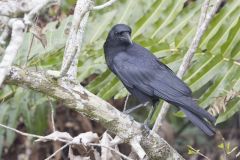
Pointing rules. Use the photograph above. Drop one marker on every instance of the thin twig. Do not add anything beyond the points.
(4, 35)
(198, 152)
(6, 15)
(117, 152)
(204, 11)
(74, 42)
(117, 140)
(31, 43)
(67, 144)
(125, 103)
(52, 114)
(137, 148)
(33, 135)
(238, 154)
(29, 49)
(109, 3)
(202, 26)
(7, 96)
(21, 133)
(224, 147)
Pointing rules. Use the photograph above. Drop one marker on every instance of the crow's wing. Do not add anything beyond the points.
(147, 74)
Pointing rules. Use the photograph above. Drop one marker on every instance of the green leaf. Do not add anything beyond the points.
(192, 151)
(221, 146)
(232, 108)
(56, 39)
(179, 114)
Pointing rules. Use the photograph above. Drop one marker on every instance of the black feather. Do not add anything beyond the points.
(148, 79)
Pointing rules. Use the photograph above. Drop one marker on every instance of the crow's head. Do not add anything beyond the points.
(120, 34)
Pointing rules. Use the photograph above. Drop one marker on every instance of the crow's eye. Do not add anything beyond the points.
(119, 33)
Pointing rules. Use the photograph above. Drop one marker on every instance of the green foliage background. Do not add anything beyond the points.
(166, 27)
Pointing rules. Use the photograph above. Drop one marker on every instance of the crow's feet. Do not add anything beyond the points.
(128, 111)
(146, 126)
(129, 117)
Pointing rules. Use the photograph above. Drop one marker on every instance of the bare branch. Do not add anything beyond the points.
(125, 103)
(74, 41)
(109, 3)
(36, 9)
(17, 26)
(202, 26)
(13, 8)
(29, 50)
(52, 114)
(21, 133)
(238, 154)
(4, 35)
(196, 151)
(56, 136)
(83, 138)
(137, 148)
(12, 49)
(81, 100)
(64, 146)
(114, 150)
(117, 140)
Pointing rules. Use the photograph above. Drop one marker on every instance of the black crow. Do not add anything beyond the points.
(146, 78)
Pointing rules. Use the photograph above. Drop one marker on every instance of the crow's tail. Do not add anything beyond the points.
(200, 122)
(197, 115)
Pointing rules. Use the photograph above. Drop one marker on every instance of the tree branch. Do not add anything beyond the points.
(60, 149)
(82, 139)
(111, 149)
(12, 49)
(17, 8)
(21, 133)
(202, 26)
(4, 35)
(17, 26)
(83, 101)
(109, 3)
(74, 41)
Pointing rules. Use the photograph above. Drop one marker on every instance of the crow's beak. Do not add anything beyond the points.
(127, 37)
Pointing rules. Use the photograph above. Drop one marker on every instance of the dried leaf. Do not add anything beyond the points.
(37, 32)
(56, 135)
(105, 141)
(73, 157)
(238, 155)
(85, 138)
(96, 154)
(220, 103)
(107, 154)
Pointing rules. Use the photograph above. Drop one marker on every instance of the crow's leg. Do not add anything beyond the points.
(136, 107)
(125, 103)
(149, 117)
